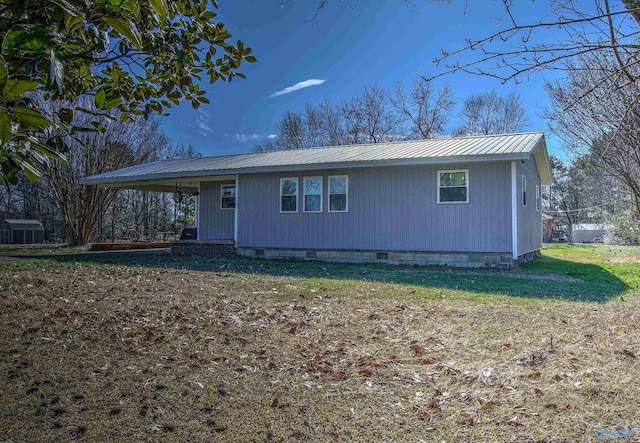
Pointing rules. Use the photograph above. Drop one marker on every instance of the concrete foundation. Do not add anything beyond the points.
(454, 259)
(220, 248)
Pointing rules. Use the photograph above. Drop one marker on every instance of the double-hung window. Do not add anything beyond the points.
(538, 198)
(338, 193)
(524, 190)
(453, 186)
(227, 197)
(312, 187)
(289, 194)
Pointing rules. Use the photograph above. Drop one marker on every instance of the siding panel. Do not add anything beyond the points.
(529, 218)
(393, 208)
(215, 223)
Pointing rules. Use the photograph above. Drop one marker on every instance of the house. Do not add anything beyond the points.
(464, 201)
(587, 232)
(17, 231)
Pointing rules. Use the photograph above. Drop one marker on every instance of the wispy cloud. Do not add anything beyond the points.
(243, 138)
(298, 86)
(203, 123)
(272, 136)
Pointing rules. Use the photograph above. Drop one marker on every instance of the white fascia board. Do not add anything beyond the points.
(201, 175)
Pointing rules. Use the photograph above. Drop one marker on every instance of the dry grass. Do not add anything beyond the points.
(249, 352)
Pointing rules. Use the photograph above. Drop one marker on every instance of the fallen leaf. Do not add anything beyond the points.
(272, 365)
(488, 405)
(366, 372)
(466, 418)
(274, 402)
(538, 392)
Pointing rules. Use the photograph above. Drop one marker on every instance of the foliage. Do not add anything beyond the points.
(135, 56)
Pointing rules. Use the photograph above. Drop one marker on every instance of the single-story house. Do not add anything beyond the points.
(465, 201)
(587, 232)
(19, 231)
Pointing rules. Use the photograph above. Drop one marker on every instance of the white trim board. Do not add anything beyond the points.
(514, 210)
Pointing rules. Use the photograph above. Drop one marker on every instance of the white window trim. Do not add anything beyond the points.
(538, 198)
(222, 195)
(304, 195)
(346, 188)
(524, 190)
(296, 195)
(440, 171)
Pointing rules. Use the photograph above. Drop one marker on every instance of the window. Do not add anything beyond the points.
(312, 194)
(524, 191)
(227, 197)
(453, 186)
(338, 193)
(537, 198)
(289, 194)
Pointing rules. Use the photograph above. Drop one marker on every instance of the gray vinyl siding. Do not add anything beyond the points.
(529, 218)
(390, 209)
(215, 223)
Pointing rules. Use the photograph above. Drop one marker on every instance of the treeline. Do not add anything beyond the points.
(78, 214)
(418, 110)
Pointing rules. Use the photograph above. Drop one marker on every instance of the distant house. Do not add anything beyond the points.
(587, 232)
(16, 231)
(464, 201)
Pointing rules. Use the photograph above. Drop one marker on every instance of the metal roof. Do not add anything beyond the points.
(24, 224)
(441, 150)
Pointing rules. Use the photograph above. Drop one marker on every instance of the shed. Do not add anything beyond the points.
(587, 232)
(16, 231)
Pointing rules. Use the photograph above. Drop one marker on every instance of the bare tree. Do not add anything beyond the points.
(488, 113)
(118, 146)
(425, 109)
(598, 113)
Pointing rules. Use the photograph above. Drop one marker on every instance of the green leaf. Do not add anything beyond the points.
(99, 126)
(29, 38)
(71, 21)
(250, 59)
(126, 29)
(100, 99)
(51, 153)
(30, 117)
(5, 127)
(160, 7)
(112, 103)
(14, 89)
(65, 115)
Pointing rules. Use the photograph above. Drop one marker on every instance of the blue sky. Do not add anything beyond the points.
(381, 42)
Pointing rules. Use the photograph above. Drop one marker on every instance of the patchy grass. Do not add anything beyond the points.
(100, 347)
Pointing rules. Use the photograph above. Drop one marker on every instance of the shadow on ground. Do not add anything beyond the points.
(544, 278)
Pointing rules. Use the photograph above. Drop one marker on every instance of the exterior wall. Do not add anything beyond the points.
(215, 223)
(390, 209)
(587, 236)
(529, 217)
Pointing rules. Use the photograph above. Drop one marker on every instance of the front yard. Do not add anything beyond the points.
(159, 348)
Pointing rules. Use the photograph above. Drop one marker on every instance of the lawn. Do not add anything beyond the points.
(143, 347)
